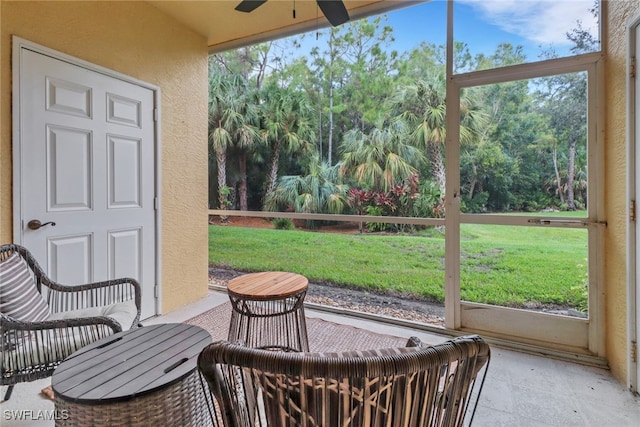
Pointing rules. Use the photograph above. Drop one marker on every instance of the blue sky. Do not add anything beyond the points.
(483, 24)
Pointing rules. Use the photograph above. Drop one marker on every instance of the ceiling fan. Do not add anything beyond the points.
(334, 10)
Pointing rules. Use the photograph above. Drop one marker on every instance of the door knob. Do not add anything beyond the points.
(35, 224)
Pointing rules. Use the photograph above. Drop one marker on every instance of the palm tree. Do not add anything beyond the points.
(219, 135)
(422, 106)
(286, 127)
(232, 119)
(320, 191)
(379, 159)
(246, 134)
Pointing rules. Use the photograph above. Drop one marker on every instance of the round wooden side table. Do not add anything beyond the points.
(268, 311)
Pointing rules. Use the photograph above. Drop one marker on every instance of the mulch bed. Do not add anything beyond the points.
(390, 305)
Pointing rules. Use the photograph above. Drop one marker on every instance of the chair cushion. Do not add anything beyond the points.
(50, 347)
(19, 296)
(122, 312)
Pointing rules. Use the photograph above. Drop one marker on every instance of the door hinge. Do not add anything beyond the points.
(634, 351)
(632, 68)
(156, 291)
(632, 211)
(155, 203)
(155, 114)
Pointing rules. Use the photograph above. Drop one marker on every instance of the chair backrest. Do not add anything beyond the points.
(408, 387)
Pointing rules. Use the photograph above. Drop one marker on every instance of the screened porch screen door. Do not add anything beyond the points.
(505, 246)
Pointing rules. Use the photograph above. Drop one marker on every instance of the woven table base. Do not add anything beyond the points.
(181, 404)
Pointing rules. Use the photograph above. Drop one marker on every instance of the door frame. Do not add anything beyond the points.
(589, 344)
(481, 318)
(633, 281)
(19, 44)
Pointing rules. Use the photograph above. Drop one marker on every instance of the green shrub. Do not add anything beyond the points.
(283, 224)
(375, 226)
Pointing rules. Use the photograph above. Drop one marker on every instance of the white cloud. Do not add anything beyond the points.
(541, 21)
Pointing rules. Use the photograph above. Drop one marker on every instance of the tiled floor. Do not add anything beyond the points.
(521, 389)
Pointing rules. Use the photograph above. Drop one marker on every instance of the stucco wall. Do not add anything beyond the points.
(136, 39)
(615, 36)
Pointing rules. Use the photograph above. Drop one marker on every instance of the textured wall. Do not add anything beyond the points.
(620, 14)
(136, 39)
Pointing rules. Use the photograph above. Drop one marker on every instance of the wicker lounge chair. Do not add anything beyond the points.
(42, 321)
(408, 386)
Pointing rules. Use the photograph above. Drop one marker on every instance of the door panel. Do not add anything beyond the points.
(87, 162)
(69, 169)
(532, 326)
(69, 258)
(124, 111)
(125, 253)
(124, 172)
(68, 98)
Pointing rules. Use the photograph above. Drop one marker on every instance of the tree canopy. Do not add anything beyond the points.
(310, 133)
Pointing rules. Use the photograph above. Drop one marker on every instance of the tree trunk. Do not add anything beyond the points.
(558, 183)
(437, 168)
(472, 184)
(221, 159)
(242, 187)
(320, 129)
(330, 147)
(571, 203)
(272, 178)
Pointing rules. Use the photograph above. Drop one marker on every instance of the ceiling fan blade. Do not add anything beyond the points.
(334, 10)
(249, 5)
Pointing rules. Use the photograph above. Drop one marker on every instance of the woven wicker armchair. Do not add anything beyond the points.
(66, 318)
(408, 386)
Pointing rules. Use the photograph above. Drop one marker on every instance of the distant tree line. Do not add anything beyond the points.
(357, 128)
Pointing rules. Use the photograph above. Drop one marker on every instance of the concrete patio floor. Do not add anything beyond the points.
(521, 389)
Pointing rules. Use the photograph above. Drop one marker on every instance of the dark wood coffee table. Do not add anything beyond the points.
(141, 377)
(268, 311)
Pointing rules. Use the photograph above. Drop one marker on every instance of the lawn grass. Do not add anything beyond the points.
(503, 265)
(524, 266)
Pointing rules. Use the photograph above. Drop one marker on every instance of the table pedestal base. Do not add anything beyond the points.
(273, 325)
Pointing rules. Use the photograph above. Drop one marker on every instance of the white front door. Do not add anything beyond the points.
(86, 162)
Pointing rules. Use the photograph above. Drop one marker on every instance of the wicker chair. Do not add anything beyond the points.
(408, 387)
(68, 318)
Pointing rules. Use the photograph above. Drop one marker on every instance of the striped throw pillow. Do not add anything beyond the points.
(19, 297)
